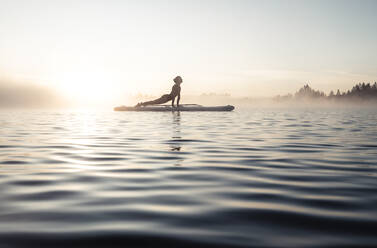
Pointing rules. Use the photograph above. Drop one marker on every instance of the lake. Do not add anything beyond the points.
(254, 177)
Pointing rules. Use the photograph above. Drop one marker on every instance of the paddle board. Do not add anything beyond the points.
(185, 107)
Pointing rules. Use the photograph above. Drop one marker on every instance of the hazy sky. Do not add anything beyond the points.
(99, 49)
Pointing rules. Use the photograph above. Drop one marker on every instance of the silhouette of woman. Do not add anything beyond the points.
(175, 92)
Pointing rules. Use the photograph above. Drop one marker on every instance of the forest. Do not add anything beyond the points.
(359, 92)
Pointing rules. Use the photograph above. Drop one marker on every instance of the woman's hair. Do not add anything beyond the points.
(177, 79)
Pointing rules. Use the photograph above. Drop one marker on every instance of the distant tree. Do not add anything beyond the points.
(361, 91)
(309, 93)
(356, 88)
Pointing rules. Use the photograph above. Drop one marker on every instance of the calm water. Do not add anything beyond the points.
(248, 178)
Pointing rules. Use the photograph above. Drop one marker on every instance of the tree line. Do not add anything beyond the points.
(360, 92)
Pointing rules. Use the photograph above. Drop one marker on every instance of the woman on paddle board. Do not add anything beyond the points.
(175, 92)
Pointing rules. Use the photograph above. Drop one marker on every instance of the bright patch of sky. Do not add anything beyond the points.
(245, 48)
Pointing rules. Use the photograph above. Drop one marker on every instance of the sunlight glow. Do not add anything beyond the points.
(84, 85)
(95, 51)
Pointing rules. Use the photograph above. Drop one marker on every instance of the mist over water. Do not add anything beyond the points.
(27, 95)
(248, 178)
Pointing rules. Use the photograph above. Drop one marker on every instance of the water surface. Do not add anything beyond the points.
(248, 178)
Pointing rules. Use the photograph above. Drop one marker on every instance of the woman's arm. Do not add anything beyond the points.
(172, 102)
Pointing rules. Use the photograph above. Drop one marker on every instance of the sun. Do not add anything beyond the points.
(85, 86)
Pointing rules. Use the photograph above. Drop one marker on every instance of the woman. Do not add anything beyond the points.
(175, 92)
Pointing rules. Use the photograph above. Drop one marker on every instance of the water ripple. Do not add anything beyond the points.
(250, 178)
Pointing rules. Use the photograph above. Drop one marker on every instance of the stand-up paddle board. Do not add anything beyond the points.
(183, 107)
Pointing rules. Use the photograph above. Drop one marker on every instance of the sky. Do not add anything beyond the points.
(103, 50)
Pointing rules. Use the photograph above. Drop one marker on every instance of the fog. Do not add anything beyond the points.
(27, 95)
(265, 102)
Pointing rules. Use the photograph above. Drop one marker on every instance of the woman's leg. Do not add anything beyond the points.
(161, 100)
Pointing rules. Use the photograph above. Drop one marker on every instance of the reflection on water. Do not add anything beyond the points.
(175, 144)
(248, 178)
